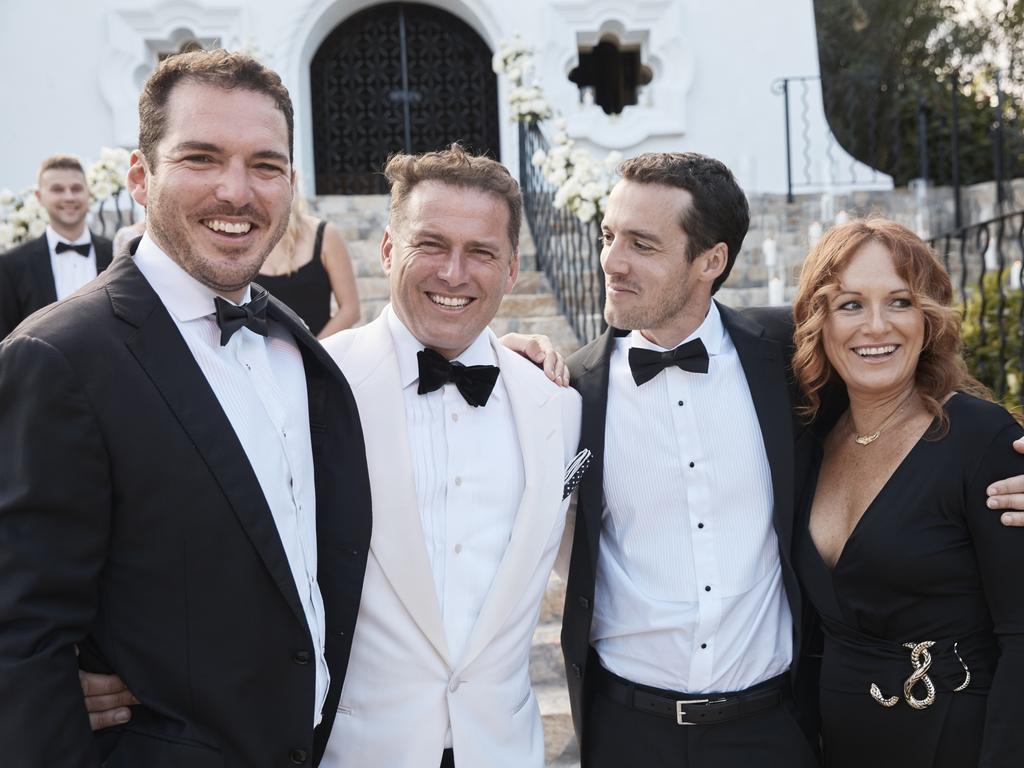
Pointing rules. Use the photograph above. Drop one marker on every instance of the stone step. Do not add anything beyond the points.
(560, 747)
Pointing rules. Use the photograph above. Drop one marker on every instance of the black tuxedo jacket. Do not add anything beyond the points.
(26, 279)
(763, 339)
(132, 525)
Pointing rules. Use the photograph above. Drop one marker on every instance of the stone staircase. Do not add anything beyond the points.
(529, 308)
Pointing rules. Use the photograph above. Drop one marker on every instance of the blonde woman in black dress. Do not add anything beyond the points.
(916, 582)
(307, 267)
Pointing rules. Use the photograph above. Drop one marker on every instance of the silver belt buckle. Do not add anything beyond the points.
(680, 713)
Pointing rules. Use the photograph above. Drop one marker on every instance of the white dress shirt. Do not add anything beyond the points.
(70, 269)
(261, 385)
(468, 471)
(689, 594)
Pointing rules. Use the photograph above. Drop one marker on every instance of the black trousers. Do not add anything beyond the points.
(448, 759)
(618, 736)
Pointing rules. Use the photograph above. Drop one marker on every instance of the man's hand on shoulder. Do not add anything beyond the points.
(107, 700)
(538, 349)
(1008, 494)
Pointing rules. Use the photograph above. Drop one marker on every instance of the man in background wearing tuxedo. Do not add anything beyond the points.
(184, 493)
(64, 258)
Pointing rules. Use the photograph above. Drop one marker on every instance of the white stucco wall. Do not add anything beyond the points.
(72, 71)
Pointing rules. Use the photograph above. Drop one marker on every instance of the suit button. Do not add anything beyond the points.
(578, 671)
(298, 756)
(584, 603)
(453, 686)
(302, 657)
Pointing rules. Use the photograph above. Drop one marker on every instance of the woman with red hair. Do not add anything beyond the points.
(915, 580)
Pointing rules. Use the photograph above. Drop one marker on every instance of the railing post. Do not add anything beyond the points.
(998, 147)
(922, 140)
(954, 81)
(789, 160)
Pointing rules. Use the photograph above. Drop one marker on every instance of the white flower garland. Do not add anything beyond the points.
(21, 217)
(106, 177)
(581, 182)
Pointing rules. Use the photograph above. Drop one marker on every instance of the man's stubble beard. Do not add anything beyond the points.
(210, 273)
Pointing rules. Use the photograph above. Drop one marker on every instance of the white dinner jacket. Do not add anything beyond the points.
(403, 687)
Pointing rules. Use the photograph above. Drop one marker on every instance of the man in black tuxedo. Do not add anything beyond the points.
(185, 485)
(682, 607)
(64, 258)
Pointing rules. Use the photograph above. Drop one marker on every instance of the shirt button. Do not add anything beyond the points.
(458, 548)
(458, 481)
(691, 465)
(703, 645)
(455, 417)
(707, 589)
(681, 402)
(700, 525)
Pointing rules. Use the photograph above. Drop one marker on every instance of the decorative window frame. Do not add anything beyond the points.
(135, 39)
(657, 27)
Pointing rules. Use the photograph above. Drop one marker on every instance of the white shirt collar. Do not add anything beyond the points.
(711, 332)
(184, 296)
(52, 238)
(407, 346)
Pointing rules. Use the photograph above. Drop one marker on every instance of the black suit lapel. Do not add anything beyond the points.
(41, 271)
(767, 378)
(163, 354)
(592, 384)
(765, 370)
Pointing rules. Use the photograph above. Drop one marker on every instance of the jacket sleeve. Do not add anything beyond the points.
(1000, 556)
(55, 504)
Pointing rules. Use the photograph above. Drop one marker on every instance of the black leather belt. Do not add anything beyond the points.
(688, 708)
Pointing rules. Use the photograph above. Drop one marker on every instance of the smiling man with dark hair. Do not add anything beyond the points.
(186, 485)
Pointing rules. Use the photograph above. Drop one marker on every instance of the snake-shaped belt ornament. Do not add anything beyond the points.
(921, 659)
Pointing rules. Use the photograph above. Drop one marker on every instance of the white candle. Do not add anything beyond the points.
(814, 233)
(776, 295)
(1014, 281)
(768, 248)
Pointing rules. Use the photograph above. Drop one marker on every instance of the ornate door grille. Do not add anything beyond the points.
(398, 77)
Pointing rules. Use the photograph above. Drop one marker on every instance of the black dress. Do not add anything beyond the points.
(928, 561)
(307, 290)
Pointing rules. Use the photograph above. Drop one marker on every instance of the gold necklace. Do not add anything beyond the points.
(870, 438)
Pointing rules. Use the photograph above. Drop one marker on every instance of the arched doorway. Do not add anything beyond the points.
(398, 77)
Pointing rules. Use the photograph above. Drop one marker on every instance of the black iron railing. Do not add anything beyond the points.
(112, 213)
(567, 248)
(949, 132)
(985, 262)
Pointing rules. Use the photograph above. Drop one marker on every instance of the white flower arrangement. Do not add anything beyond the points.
(106, 177)
(514, 59)
(581, 182)
(21, 218)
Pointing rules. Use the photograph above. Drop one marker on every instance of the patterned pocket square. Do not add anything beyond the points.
(574, 472)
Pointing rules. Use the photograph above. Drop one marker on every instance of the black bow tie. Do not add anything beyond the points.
(251, 315)
(82, 248)
(646, 363)
(475, 382)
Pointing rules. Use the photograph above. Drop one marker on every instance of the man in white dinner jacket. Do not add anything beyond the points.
(466, 485)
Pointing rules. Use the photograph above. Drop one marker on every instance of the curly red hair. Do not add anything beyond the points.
(940, 369)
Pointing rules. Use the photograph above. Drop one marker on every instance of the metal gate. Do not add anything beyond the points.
(398, 77)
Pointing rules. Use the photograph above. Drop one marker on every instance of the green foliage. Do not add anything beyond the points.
(982, 342)
(887, 65)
